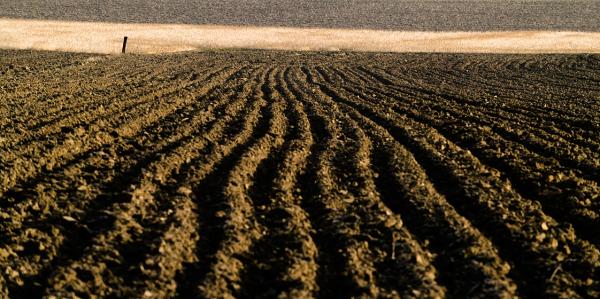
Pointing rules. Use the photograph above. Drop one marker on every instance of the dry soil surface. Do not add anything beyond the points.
(404, 15)
(261, 174)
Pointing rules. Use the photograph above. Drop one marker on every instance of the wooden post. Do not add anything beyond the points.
(124, 45)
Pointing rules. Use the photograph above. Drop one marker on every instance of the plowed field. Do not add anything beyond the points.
(263, 174)
(430, 15)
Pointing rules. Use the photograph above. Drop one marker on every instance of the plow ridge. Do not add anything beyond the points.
(253, 174)
(518, 159)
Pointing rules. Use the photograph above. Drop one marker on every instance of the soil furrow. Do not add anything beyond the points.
(161, 215)
(558, 188)
(156, 148)
(559, 119)
(379, 241)
(21, 169)
(83, 96)
(115, 106)
(285, 257)
(56, 93)
(242, 230)
(538, 244)
(550, 129)
(459, 247)
(451, 92)
(207, 184)
(261, 174)
(166, 261)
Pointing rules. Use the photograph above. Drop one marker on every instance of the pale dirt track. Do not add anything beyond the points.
(160, 38)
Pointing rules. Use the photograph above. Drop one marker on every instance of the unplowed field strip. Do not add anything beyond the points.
(263, 174)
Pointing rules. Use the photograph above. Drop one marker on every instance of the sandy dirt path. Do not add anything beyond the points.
(95, 37)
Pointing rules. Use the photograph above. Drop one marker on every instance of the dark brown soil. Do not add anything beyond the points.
(429, 15)
(262, 174)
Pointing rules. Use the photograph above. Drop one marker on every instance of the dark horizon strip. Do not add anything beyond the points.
(433, 15)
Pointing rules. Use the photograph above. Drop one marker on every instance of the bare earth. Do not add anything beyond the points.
(277, 174)
(94, 37)
(300, 174)
(402, 15)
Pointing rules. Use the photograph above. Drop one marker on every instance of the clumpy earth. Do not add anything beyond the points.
(251, 174)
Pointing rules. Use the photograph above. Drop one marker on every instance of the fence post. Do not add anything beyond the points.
(124, 45)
